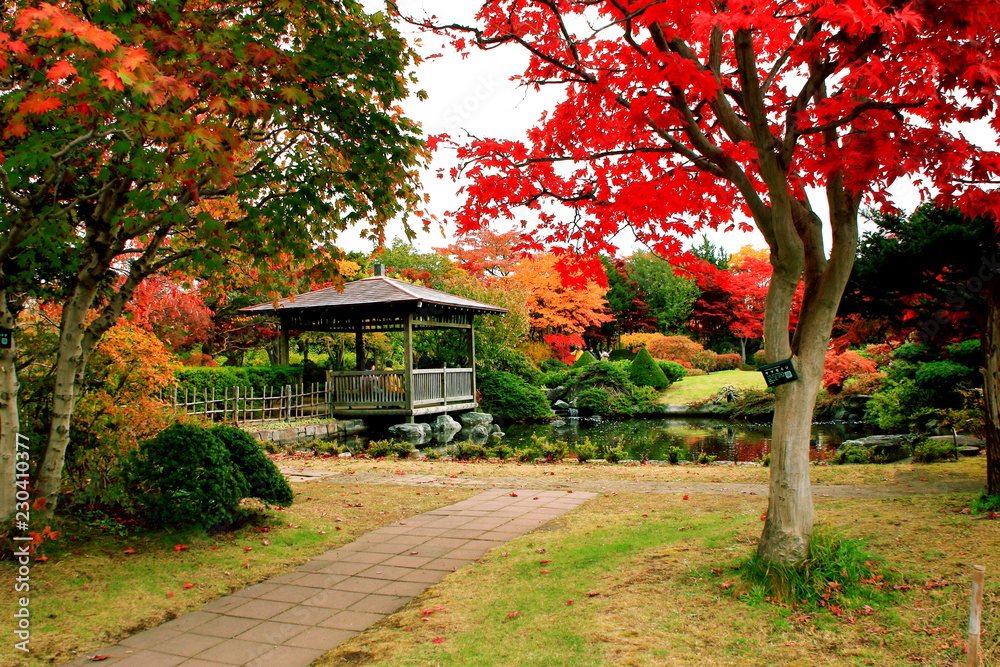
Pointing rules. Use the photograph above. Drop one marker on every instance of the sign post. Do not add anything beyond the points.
(781, 372)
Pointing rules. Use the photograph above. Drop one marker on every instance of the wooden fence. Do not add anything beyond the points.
(249, 404)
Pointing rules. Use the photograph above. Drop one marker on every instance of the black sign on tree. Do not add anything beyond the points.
(6, 338)
(780, 372)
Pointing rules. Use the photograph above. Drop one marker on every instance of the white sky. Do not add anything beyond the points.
(474, 95)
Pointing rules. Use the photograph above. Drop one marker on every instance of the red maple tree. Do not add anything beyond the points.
(684, 114)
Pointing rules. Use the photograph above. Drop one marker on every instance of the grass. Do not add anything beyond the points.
(657, 563)
(640, 579)
(703, 387)
(90, 593)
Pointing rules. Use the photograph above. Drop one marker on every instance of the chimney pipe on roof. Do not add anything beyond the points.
(379, 269)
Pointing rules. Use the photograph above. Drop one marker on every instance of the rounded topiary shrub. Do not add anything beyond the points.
(186, 477)
(584, 359)
(645, 372)
(264, 481)
(507, 394)
(673, 370)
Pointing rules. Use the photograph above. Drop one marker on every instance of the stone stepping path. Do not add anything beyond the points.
(292, 619)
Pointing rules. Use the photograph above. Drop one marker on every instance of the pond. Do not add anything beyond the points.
(653, 438)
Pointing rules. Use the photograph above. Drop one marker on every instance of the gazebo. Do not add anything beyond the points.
(376, 304)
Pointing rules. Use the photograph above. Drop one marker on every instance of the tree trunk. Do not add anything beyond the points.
(991, 387)
(788, 527)
(71, 361)
(9, 421)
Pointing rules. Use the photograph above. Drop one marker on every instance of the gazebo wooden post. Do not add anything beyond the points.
(359, 348)
(472, 351)
(283, 346)
(408, 365)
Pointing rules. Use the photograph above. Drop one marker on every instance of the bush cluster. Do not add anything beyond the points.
(194, 476)
(232, 376)
(506, 394)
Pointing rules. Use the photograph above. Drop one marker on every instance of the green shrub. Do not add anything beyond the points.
(554, 451)
(849, 453)
(673, 370)
(584, 359)
(929, 451)
(511, 361)
(232, 376)
(585, 451)
(674, 455)
(623, 354)
(527, 454)
(967, 353)
(941, 378)
(507, 394)
(264, 481)
(550, 365)
(912, 352)
(645, 372)
(706, 459)
(613, 376)
(597, 401)
(611, 451)
(757, 359)
(186, 477)
(501, 452)
(557, 378)
(468, 451)
(381, 449)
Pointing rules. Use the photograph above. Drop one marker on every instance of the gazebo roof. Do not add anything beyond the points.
(373, 291)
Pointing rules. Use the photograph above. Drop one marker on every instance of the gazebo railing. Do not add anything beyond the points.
(441, 385)
(433, 386)
(367, 388)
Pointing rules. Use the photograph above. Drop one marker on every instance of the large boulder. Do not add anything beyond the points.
(471, 419)
(415, 434)
(444, 428)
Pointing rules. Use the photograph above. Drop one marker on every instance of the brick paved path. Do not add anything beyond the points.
(294, 618)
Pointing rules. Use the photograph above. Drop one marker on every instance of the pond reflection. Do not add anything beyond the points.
(652, 439)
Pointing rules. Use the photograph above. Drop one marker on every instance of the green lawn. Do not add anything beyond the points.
(703, 387)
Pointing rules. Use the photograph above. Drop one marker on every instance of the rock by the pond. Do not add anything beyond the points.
(416, 434)
(960, 440)
(471, 419)
(479, 434)
(558, 423)
(887, 448)
(496, 429)
(444, 428)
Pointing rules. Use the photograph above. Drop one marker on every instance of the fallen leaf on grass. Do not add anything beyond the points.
(130, 550)
(684, 498)
(437, 640)
(513, 614)
(188, 586)
(41, 559)
(180, 547)
(544, 562)
(543, 571)
(592, 595)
